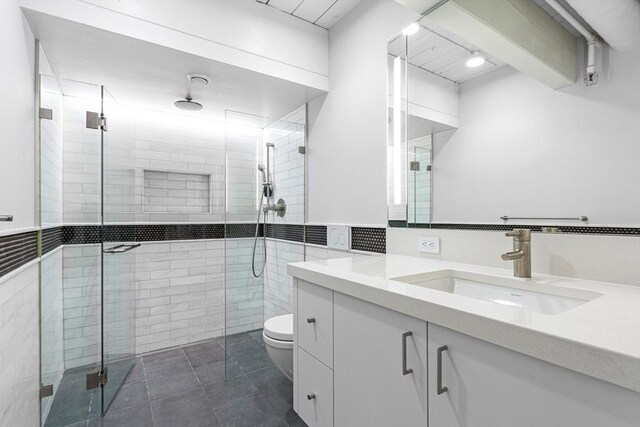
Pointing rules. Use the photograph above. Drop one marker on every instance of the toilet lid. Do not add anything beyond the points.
(280, 327)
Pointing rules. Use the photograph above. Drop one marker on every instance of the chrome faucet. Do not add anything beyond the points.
(521, 254)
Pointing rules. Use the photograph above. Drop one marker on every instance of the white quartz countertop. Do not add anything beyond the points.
(600, 338)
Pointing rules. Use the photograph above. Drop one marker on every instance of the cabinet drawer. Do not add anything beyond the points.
(315, 391)
(315, 321)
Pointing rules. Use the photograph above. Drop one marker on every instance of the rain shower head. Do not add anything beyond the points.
(188, 104)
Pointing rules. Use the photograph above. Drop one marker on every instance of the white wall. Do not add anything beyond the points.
(523, 149)
(19, 349)
(17, 165)
(241, 33)
(347, 127)
(592, 257)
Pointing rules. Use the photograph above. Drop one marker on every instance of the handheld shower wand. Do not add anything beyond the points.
(267, 189)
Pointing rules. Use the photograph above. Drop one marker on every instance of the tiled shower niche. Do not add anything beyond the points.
(174, 192)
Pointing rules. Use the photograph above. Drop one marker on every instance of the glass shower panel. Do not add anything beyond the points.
(287, 170)
(52, 309)
(419, 182)
(243, 291)
(70, 276)
(121, 196)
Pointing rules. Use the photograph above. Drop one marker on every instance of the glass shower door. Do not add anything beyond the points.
(119, 200)
(70, 282)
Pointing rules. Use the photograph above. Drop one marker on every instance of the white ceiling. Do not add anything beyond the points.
(141, 74)
(443, 53)
(323, 13)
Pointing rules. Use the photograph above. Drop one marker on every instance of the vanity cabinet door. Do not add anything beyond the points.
(371, 384)
(488, 385)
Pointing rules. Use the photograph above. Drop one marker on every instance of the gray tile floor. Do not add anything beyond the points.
(186, 386)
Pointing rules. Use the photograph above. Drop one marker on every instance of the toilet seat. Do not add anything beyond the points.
(279, 328)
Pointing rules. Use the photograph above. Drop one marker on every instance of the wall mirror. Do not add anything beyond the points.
(474, 138)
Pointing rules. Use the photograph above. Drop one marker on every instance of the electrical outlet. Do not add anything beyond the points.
(429, 244)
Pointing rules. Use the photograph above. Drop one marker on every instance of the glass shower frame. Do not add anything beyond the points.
(101, 295)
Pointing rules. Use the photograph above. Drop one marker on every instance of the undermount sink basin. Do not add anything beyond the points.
(527, 295)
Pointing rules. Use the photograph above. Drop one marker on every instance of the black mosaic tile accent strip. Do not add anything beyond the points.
(566, 229)
(237, 231)
(80, 234)
(292, 232)
(316, 234)
(51, 239)
(369, 239)
(159, 232)
(17, 250)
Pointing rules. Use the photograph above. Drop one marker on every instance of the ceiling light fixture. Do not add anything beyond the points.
(411, 29)
(199, 79)
(475, 60)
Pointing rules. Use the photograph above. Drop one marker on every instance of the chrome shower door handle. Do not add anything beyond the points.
(439, 387)
(405, 370)
(119, 249)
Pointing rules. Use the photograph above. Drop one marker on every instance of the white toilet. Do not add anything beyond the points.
(278, 338)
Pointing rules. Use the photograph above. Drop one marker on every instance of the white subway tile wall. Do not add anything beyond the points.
(242, 146)
(81, 301)
(81, 163)
(288, 165)
(140, 140)
(419, 183)
(52, 326)
(176, 192)
(19, 363)
(244, 292)
(179, 293)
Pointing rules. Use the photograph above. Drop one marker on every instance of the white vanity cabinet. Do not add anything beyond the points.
(360, 364)
(488, 385)
(380, 365)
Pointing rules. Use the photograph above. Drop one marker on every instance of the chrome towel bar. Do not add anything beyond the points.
(7, 218)
(582, 218)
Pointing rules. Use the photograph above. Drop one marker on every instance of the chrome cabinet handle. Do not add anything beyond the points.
(405, 371)
(439, 369)
(311, 320)
(121, 248)
(7, 218)
(311, 396)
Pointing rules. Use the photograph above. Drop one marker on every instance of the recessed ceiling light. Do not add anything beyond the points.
(475, 60)
(411, 29)
(199, 79)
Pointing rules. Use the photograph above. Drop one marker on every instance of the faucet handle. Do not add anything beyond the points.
(519, 234)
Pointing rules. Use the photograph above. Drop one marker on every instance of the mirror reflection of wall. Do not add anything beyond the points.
(510, 138)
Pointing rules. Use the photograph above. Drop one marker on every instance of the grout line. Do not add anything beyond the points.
(146, 384)
(202, 386)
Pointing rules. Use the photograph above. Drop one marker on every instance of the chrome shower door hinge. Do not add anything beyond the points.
(302, 149)
(414, 166)
(46, 391)
(96, 121)
(46, 113)
(97, 379)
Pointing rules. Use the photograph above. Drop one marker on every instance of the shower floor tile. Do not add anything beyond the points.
(186, 386)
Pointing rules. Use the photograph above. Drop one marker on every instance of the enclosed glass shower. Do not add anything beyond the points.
(148, 224)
